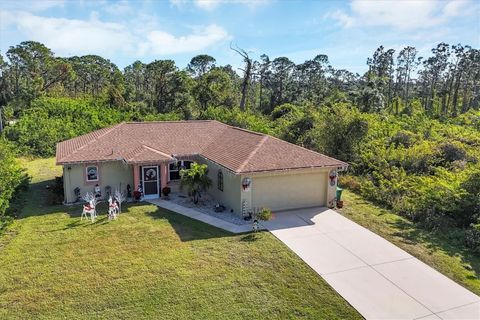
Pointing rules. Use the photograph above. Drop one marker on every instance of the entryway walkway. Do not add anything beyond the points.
(376, 277)
(200, 216)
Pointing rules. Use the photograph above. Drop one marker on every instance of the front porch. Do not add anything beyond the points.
(151, 178)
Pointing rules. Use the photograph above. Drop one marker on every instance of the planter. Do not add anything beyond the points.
(166, 191)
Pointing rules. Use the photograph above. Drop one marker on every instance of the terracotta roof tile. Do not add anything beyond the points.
(237, 149)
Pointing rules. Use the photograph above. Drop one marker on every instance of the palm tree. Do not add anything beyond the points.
(195, 180)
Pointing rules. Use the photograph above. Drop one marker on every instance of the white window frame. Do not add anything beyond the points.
(86, 174)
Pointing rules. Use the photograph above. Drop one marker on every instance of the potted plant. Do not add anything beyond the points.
(166, 191)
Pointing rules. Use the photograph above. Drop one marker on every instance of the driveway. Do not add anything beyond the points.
(376, 277)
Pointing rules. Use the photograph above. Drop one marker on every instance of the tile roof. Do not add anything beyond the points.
(238, 150)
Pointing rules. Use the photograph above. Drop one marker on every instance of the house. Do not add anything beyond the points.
(248, 169)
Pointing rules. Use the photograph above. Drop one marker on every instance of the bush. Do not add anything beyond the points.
(264, 214)
(56, 194)
(472, 238)
(13, 181)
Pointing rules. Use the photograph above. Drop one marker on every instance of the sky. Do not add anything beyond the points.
(129, 30)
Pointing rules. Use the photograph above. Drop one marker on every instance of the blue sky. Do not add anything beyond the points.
(347, 31)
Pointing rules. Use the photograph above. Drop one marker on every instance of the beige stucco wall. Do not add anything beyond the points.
(115, 174)
(289, 190)
(230, 196)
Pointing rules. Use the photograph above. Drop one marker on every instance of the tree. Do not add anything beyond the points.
(201, 64)
(215, 88)
(35, 70)
(280, 81)
(406, 64)
(195, 180)
(247, 74)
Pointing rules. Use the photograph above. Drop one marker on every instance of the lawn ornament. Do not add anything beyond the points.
(112, 208)
(90, 207)
(97, 191)
(129, 191)
(255, 225)
(333, 177)
(119, 197)
(246, 183)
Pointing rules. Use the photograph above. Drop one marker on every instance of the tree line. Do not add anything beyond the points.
(444, 84)
(409, 126)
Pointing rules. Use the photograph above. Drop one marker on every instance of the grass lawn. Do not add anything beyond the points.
(150, 263)
(442, 251)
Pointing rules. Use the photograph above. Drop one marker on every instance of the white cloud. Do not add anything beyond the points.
(71, 36)
(94, 36)
(343, 19)
(402, 15)
(163, 43)
(212, 4)
(118, 8)
(32, 5)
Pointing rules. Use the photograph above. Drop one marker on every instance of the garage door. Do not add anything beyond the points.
(284, 192)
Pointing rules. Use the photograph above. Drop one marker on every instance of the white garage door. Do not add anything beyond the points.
(284, 192)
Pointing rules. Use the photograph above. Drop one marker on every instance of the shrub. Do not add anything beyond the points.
(13, 181)
(264, 214)
(472, 238)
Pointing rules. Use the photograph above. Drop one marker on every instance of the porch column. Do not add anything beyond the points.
(136, 176)
(163, 175)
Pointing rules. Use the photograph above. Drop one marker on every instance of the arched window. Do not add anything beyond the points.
(220, 180)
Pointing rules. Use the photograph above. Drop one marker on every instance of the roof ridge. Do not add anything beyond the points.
(156, 151)
(254, 151)
(311, 151)
(168, 121)
(246, 130)
(89, 142)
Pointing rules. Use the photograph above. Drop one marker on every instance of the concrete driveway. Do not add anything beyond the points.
(376, 277)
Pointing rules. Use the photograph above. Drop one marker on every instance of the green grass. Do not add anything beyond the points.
(150, 263)
(443, 251)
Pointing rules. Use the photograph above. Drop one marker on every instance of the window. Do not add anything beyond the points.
(92, 173)
(174, 169)
(220, 180)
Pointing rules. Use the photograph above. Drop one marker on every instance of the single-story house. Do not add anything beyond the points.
(248, 169)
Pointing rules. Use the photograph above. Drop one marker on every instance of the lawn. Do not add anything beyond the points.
(150, 263)
(443, 251)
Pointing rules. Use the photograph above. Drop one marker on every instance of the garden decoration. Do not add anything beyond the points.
(333, 177)
(129, 192)
(263, 214)
(119, 197)
(108, 191)
(112, 209)
(76, 192)
(90, 207)
(255, 225)
(246, 184)
(98, 192)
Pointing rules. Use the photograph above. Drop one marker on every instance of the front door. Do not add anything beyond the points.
(150, 182)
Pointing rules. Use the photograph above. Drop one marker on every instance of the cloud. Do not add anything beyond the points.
(343, 19)
(163, 43)
(212, 4)
(32, 5)
(401, 15)
(118, 8)
(94, 36)
(71, 36)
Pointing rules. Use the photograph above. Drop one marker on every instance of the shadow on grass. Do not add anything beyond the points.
(251, 237)
(445, 240)
(37, 204)
(189, 229)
